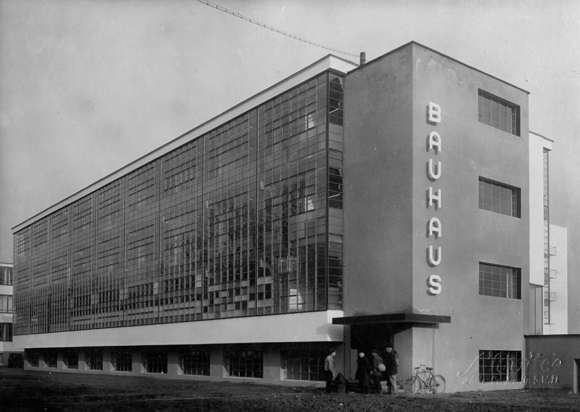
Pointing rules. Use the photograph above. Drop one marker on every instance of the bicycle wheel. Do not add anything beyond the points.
(412, 384)
(437, 384)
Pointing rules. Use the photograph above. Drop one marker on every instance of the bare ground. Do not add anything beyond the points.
(22, 390)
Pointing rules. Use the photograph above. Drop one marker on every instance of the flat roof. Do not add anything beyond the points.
(329, 62)
(443, 55)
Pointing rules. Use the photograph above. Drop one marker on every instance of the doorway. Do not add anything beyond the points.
(577, 376)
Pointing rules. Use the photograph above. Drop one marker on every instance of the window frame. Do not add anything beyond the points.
(515, 210)
(498, 101)
(509, 292)
(500, 366)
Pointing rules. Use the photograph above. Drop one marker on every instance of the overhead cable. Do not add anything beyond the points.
(233, 13)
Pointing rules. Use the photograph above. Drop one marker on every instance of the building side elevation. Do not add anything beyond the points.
(343, 208)
(7, 314)
(237, 222)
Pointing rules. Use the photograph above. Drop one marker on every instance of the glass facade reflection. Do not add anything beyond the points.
(244, 220)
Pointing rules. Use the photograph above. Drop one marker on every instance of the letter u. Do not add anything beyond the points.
(432, 174)
(431, 259)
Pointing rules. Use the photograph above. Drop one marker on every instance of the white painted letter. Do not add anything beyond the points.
(435, 141)
(435, 227)
(434, 112)
(431, 173)
(436, 198)
(431, 259)
(434, 285)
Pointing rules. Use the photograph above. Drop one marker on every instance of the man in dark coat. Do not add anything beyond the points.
(391, 364)
(363, 372)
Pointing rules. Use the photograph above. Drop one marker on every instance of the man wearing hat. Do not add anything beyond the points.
(376, 373)
(391, 364)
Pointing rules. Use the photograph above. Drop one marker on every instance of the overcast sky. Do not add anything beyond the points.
(88, 86)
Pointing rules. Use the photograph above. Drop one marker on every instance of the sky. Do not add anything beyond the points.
(88, 86)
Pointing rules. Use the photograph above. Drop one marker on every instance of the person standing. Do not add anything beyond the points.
(363, 372)
(330, 370)
(391, 368)
(376, 373)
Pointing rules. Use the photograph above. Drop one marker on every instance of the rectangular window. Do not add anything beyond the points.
(6, 303)
(336, 100)
(194, 362)
(123, 360)
(335, 187)
(6, 276)
(6, 332)
(71, 359)
(94, 359)
(499, 198)
(498, 113)
(304, 365)
(33, 358)
(155, 362)
(245, 364)
(500, 281)
(500, 366)
(51, 358)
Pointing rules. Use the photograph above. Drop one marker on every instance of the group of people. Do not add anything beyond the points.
(369, 372)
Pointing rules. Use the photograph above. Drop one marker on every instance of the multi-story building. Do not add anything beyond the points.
(6, 313)
(342, 208)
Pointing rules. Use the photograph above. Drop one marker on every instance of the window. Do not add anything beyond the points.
(194, 363)
(51, 358)
(6, 276)
(334, 188)
(305, 365)
(500, 281)
(498, 113)
(336, 102)
(94, 359)
(123, 360)
(5, 332)
(155, 362)
(71, 359)
(6, 303)
(500, 366)
(499, 198)
(245, 364)
(33, 358)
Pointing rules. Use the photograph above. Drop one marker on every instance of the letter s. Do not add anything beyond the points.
(434, 284)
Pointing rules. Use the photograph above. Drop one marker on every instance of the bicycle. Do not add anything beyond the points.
(424, 379)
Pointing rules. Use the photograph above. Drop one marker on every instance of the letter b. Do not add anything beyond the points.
(434, 112)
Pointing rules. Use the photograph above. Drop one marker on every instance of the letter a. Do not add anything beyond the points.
(435, 141)
(435, 227)
(434, 112)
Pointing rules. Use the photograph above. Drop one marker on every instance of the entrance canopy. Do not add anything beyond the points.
(415, 319)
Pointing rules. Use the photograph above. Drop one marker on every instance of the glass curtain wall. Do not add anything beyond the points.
(244, 220)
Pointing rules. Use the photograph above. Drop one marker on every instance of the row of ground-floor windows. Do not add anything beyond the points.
(297, 364)
(494, 366)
